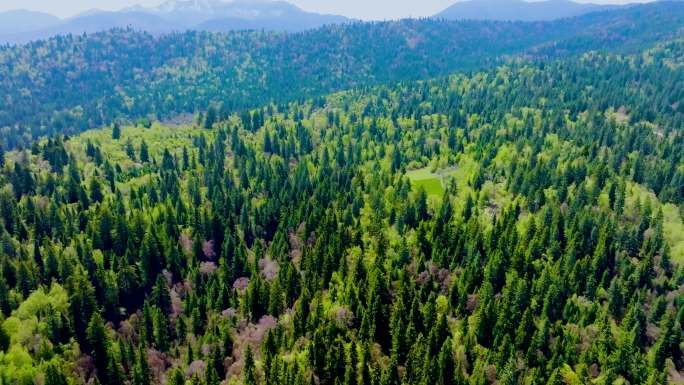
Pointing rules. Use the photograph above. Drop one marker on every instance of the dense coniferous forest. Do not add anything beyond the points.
(66, 85)
(519, 225)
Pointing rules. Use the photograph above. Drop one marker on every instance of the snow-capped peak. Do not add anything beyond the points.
(199, 6)
(194, 12)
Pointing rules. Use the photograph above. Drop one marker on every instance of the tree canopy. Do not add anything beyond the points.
(517, 225)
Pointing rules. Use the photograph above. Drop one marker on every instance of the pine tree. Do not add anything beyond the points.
(116, 131)
(210, 118)
(130, 151)
(250, 368)
(615, 299)
(98, 347)
(141, 369)
(147, 327)
(151, 258)
(446, 364)
(54, 375)
(275, 298)
(216, 362)
(4, 338)
(508, 374)
(144, 152)
(38, 257)
(555, 378)
(82, 304)
(364, 365)
(95, 188)
(160, 295)
(176, 377)
(351, 363)
(212, 377)
(390, 376)
(161, 331)
(115, 375)
(668, 343)
(398, 331)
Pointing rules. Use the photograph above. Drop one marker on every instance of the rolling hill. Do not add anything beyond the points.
(518, 10)
(519, 225)
(170, 16)
(20, 21)
(70, 84)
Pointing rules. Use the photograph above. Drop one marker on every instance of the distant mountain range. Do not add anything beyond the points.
(173, 15)
(70, 84)
(271, 15)
(518, 10)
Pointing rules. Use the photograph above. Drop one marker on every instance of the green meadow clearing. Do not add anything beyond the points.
(429, 181)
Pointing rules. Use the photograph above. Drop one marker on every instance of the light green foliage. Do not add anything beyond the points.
(161, 136)
(158, 138)
(430, 182)
(26, 321)
(28, 330)
(17, 366)
(673, 228)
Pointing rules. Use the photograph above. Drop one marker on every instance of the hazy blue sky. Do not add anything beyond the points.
(363, 9)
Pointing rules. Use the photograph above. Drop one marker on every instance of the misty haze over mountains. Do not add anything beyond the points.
(519, 10)
(172, 15)
(21, 26)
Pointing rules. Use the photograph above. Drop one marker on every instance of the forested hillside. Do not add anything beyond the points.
(68, 84)
(521, 225)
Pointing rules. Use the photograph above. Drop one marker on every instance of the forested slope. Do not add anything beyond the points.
(68, 84)
(520, 225)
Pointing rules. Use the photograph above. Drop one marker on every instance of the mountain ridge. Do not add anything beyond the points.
(170, 16)
(519, 10)
(143, 75)
(21, 20)
(21, 26)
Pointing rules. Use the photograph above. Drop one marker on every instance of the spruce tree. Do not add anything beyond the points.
(98, 344)
(54, 375)
(116, 131)
(250, 368)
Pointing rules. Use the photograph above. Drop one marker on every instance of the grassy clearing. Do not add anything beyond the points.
(431, 182)
(673, 226)
(157, 137)
(433, 187)
(673, 229)
(435, 182)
